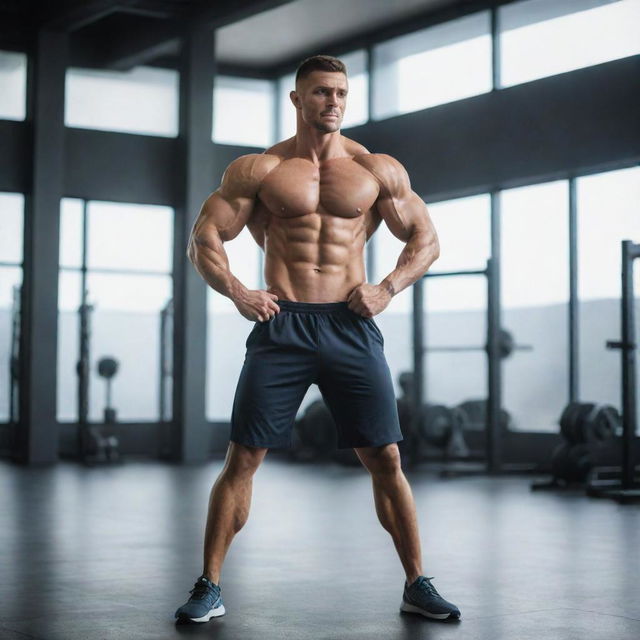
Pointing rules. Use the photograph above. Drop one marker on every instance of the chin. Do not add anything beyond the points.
(327, 128)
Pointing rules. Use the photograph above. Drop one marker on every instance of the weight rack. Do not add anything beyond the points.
(624, 486)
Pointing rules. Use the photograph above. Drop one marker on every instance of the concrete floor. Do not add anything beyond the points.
(111, 552)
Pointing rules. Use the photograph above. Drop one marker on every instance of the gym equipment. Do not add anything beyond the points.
(166, 362)
(14, 367)
(585, 427)
(437, 425)
(107, 369)
(571, 463)
(589, 422)
(14, 358)
(315, 437)
(316, 432)
(626, 487)
(475, 412)
(506, 346)
(499, 345)
(100, 444)
(83, 369)
(95, 442)
(409, 446)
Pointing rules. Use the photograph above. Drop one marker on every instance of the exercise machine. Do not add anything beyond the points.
(623, 483)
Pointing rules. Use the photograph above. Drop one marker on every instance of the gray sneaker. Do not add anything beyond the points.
(422, 597)
(205, 603)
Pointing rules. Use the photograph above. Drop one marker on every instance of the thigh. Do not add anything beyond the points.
(356, 384)
(272, 384)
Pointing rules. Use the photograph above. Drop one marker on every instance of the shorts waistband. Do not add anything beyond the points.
(313, 307)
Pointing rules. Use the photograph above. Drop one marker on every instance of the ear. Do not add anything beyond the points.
(295, 99)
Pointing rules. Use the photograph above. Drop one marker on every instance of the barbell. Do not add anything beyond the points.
(506, 346)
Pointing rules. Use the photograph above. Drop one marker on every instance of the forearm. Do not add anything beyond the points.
(212, 264)
(420, 252)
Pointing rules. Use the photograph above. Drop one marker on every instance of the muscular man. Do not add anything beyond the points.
(311, 202)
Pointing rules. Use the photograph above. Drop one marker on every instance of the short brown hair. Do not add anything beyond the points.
(320, 63)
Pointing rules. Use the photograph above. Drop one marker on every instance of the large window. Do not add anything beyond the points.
(227, 330)
(387, 250)
(143, 100)
(433, 66)
(357, 109)
(540, 38)
(243, 111)
(286, 110)
(455, 306)
(11, 223)
(13, 85)
(125, 252)
(463, 230)
(535, 294)
(607, 214)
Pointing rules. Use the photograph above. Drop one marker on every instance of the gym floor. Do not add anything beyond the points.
(111, 552)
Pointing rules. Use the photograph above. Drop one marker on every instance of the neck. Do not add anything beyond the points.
(317, 145)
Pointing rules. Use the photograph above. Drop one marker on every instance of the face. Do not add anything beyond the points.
(321, 98)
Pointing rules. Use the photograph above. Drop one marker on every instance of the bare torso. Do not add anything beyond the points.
(313, 221)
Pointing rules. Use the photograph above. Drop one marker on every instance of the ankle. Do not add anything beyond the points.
(212, 576)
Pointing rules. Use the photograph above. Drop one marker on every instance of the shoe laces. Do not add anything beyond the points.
(200, 590)
(425, 583)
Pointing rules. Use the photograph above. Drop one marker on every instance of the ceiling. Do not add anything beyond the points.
(257, 35)
(273, 37)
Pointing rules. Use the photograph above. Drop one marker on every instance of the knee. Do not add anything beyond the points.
(380, 460)
(243, 460)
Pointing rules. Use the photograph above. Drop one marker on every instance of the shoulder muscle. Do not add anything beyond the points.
(402, 210)
(389, 173)
(243, 176)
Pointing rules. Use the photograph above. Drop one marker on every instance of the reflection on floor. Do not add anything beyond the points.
(110, 553)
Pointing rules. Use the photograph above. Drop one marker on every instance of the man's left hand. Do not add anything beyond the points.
(369, 300)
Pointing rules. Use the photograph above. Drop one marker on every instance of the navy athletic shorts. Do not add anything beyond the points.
(322, 343)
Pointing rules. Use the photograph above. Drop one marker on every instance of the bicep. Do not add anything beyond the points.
(404, 213)
(222, 216)
(227, 210)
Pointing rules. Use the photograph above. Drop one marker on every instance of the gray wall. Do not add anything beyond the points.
(577, 122)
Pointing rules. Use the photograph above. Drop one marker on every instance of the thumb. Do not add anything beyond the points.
(273, 295)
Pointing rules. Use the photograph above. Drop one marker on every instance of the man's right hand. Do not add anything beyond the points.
(257, 305)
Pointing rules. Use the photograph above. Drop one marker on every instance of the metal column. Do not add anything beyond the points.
(626, 485)
(418, 346)
(494, 322)
(190, 438)
(630, 252)
(37, 435)
(574, 371)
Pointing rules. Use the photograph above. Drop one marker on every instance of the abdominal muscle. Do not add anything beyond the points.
(316, 257)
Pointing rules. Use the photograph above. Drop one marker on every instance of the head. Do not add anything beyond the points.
(321, 92)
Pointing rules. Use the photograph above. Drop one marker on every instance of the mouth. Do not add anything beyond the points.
(329, 115)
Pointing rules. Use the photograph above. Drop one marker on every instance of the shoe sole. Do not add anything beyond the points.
(410, 608)
(214, 613)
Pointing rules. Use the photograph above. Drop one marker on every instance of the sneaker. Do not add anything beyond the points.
(422, 597)
(205, 602)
